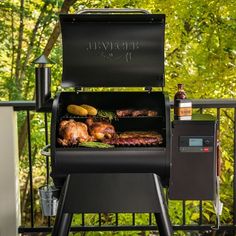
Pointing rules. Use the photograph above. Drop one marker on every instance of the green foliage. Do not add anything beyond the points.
(200, 51)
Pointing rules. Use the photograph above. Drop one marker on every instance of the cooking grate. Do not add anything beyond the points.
(69, 116)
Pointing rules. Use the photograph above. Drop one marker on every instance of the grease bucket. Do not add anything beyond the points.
(49, 200)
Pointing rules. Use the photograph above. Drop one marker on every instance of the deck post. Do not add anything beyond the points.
(9, 169)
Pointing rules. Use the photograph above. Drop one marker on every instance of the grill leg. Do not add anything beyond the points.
(64, 227)
(162, 218)
(63, 220)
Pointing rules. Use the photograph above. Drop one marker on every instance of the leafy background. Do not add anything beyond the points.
(200, 51)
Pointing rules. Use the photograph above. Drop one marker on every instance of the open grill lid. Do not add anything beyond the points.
(110, 50)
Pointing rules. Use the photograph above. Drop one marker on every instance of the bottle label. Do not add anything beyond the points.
(183, 111)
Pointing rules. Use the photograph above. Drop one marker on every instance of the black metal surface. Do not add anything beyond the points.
(200, 212)
(113, 10)
(99, 219)
(117, 219)
(47, 157)
(213, 103)
(46, 143)
(184, 212)
(206, 228)
(42, 60)
(133, 218)
(234, 183)
(106, 193)
(63, 228)
(124, 50)
(43, 88)
(197, 103)
(119, 159)
(19, 105)
(112, 193)
(30, 172)
(150, 219)
(162, 217)
(116, 160)
(63, 219)
(193, 173)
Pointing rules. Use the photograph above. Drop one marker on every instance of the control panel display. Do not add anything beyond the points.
(196, 143)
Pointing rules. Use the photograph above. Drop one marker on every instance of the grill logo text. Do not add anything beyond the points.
(114, 50)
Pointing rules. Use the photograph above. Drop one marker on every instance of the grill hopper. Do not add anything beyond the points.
(118, 159)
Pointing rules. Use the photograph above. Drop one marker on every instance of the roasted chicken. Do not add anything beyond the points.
(72, 133)
(100, 130)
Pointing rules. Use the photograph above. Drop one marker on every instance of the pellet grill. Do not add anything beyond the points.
(125, 50)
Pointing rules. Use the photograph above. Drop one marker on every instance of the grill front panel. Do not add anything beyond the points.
(153, 159)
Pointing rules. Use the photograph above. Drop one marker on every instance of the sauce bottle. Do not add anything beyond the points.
(180, 94)
(182, 106)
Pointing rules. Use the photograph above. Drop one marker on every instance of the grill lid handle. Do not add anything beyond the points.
(111, 10)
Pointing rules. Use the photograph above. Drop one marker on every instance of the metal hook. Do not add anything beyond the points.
(44, 151)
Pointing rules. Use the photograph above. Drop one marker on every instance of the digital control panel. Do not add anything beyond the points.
(196, 143)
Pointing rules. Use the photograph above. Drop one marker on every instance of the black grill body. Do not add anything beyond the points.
(109, 50)
(125, 50)
(155, 159)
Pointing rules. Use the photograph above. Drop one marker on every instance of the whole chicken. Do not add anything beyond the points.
(72, 133)
(100, 130)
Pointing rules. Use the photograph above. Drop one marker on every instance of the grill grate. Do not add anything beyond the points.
(68, 116)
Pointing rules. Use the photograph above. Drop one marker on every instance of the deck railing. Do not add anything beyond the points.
(221, 108)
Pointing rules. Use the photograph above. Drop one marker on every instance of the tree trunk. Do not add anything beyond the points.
(32, 41)
(12, 44)
(19, 47)
(56, 32)
(27, 87)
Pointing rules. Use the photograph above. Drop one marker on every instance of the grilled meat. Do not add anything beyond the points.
(136, 138)
(137, 141)
(124, 112)
(151, 113)
(135, 113)
(99, 130)
(142, 112)
(72, 133)
(140, 134)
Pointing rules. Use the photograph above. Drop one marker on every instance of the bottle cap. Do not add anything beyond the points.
(180, 86)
